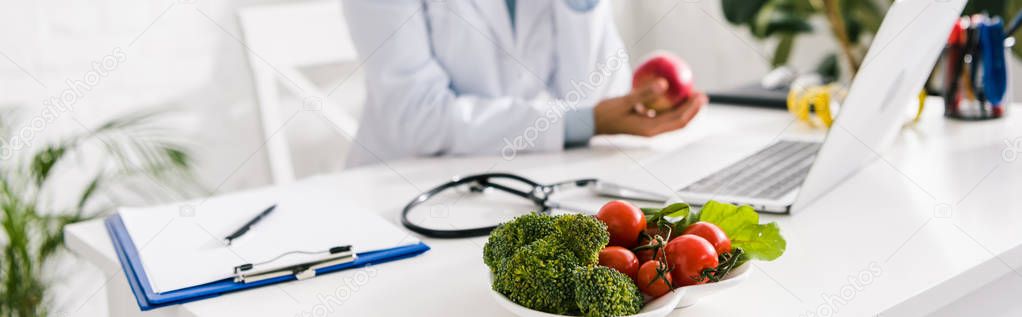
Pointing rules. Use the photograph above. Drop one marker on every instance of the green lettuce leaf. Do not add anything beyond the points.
(741, 224)
(728, 217)
(761, 242)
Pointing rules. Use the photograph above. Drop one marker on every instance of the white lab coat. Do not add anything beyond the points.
(453, 77)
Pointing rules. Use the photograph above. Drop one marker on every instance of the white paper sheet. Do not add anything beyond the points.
(181, 245)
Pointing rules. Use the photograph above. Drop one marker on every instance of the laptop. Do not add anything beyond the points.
(788, 175)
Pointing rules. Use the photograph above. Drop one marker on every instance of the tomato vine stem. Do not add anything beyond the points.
(728, 261)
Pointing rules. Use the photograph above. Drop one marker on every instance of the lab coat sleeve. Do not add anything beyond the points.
(424, 115)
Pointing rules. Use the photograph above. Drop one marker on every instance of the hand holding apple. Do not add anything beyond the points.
(666, 66)
(662, 99)
(618, 115)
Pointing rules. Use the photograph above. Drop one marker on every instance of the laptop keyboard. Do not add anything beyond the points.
(768, 174)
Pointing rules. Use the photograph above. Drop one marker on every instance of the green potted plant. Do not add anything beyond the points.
(34, 210)
(851, 22)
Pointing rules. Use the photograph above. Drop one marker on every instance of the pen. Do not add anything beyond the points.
(994, 69)
(248, 225)
(955, 59)
(971, 62)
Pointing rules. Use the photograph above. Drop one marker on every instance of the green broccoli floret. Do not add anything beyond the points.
(603, 291)
(541, 262)
(506, 239)
(584, 235)
(539, 276)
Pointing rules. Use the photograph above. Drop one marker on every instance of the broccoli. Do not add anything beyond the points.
(603, 291)
(511, 236)
(539, 276)
(549, 264)
(584, 235)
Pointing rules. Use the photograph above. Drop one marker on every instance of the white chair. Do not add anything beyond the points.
(281, 39)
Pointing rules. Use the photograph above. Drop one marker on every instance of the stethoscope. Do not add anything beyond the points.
(538, 194)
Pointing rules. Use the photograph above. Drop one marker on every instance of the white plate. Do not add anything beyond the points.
(696, 292)
(655, 308)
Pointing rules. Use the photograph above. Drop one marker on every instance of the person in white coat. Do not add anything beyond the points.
(491, 77)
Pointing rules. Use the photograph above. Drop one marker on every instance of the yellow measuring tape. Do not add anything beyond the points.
(813, 104)
(807, 101)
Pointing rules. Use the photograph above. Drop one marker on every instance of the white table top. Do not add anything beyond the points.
(936, 217)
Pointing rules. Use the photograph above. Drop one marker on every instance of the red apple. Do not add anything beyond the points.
(671, 68)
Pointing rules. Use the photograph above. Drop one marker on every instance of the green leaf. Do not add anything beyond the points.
(649, 211)
(761, 242)
(992, 7)
(779, 17)
(853, 29)
(741, 224)
(178, 157)
(741, 11)
(129, 121)
(868, 14)
(783, 50)
(88, 192)
(44, 160)
(829, 68)
(727, 216)
(675, 211)
(785, 23)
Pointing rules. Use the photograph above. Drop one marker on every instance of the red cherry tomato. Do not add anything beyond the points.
(649, 281)
(712, 234)
(689, 255)
(620, 259)
(624, 222)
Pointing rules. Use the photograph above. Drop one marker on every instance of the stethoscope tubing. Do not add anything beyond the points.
(539, 196)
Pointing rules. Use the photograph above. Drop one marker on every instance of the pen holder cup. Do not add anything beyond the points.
(962, 88)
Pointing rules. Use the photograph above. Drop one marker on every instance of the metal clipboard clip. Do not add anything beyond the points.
(251, 272)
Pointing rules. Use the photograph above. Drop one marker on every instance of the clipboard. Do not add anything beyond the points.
(147, 299)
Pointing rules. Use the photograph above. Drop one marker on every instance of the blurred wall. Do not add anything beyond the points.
(176, 54)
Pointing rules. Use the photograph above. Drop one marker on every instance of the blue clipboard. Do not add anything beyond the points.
(147, 299)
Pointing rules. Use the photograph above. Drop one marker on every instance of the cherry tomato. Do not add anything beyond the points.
(624, 222)
(649, 281)
(689, 255)
(620, 259)
(712, 234)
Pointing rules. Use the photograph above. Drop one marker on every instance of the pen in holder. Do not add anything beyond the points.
(976, 80)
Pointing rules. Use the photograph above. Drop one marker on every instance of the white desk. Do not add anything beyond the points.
(934, 219)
